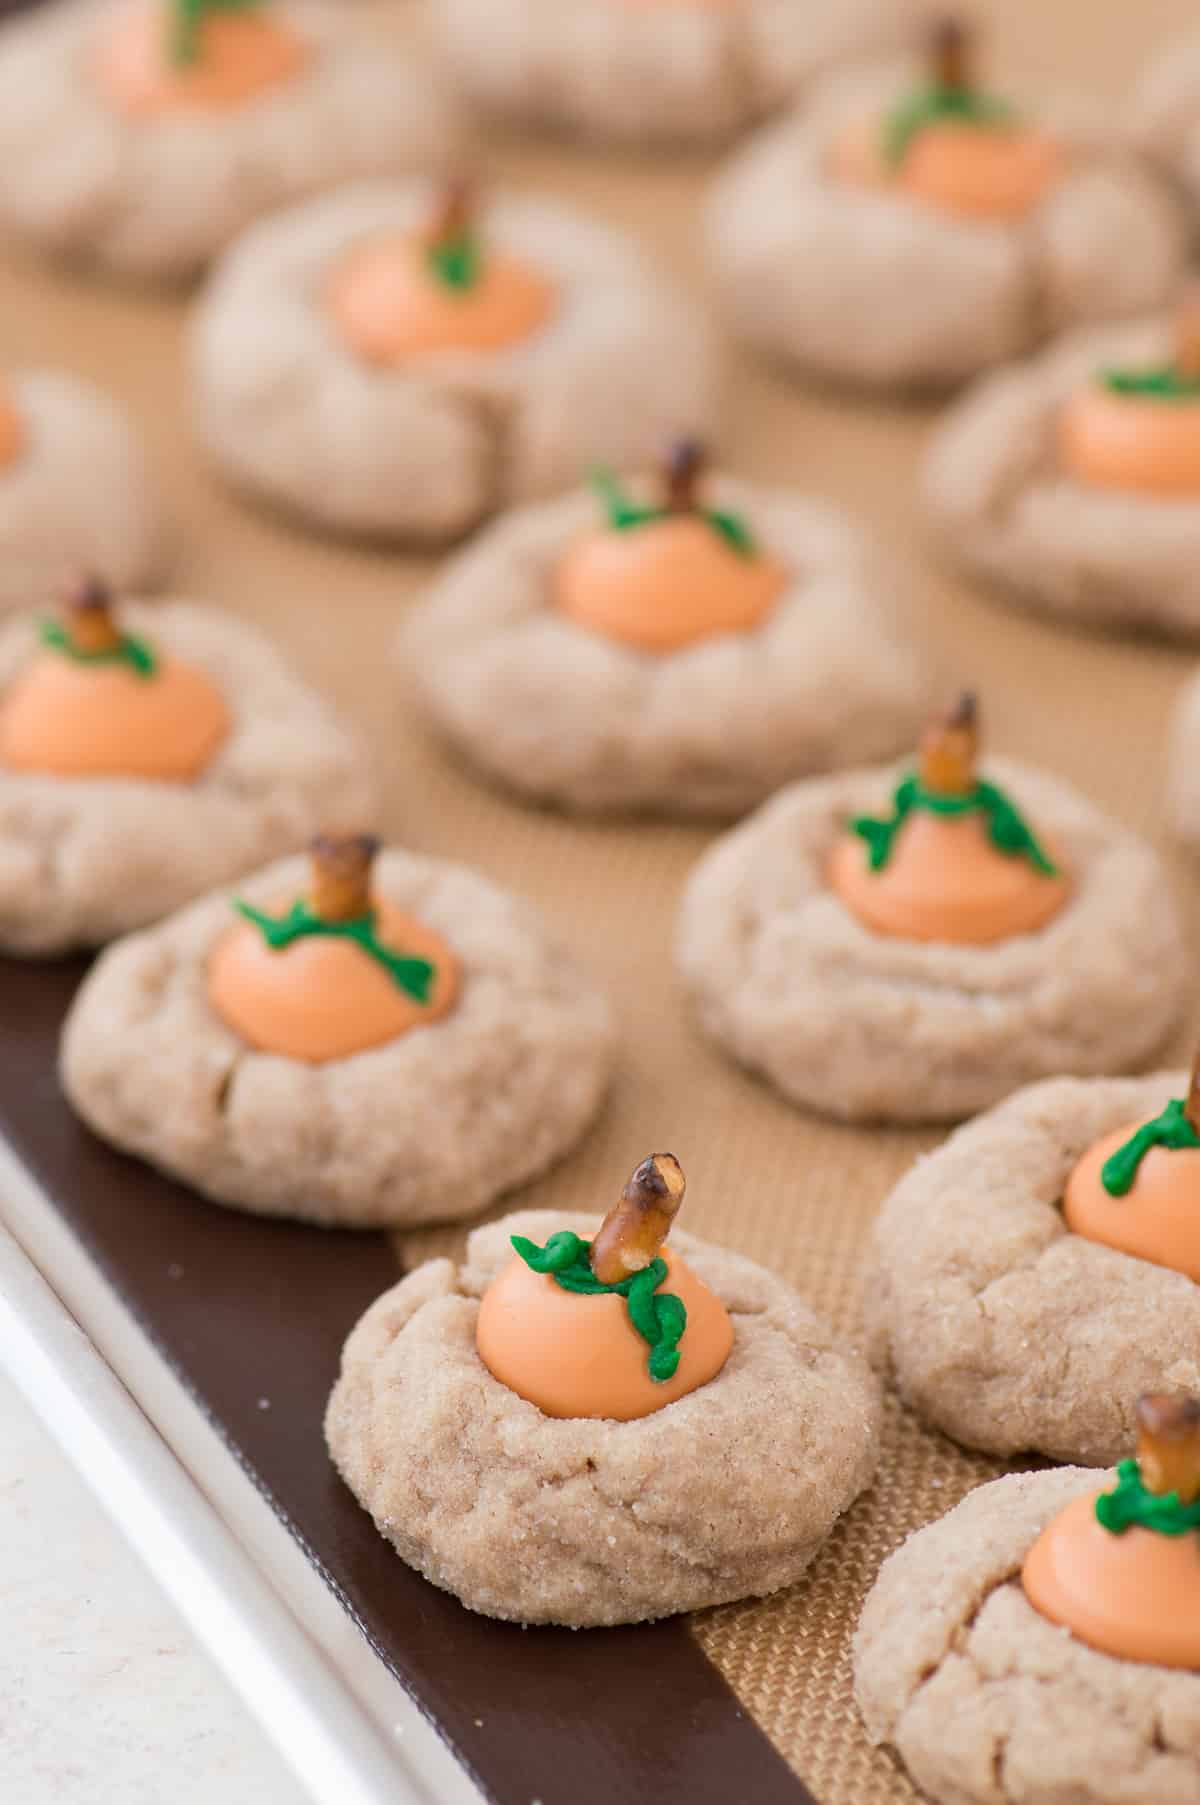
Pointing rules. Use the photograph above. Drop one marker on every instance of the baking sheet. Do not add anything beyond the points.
(763, 1178)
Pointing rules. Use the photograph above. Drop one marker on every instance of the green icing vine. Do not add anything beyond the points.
(1165, 383)
(1007, 828)
(623, 513)
(659, 1319)
(1170, 1129)
(458, 262)
(930, 106)
(412, 975)
(128, 650)
(188, 17)
(1130, 1503)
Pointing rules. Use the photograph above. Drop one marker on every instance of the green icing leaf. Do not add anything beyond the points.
(1170, 1129)
(930, 106)
(660, 1319)
(458, 263)
(1129, 1504)
(624, 512)
(415, 976)
(1164, 383)
(129, 650)
(187, 17)
(1007, 828)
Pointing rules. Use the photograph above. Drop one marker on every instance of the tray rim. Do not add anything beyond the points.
(338, 1718)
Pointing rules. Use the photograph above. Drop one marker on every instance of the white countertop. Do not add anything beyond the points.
(105, 1695)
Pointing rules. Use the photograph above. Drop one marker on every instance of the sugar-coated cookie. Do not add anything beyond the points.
(552, 1511)
(985, 1698)
(1072, 481)
(76, 491)
(683, 647)
(917, 961)
(1021, 1303)
(146, 754)
(653, 71)
(141, 137)
(342, 1048)
(907, 231)
(396, 362)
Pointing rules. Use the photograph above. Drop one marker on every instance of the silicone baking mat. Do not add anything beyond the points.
(692, 1709)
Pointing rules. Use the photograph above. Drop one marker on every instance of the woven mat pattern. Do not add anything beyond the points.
(763, 1178)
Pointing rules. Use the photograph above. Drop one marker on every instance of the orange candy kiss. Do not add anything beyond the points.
(324, 997)
(944, 880)
(668, 583)
(391, 305)
(1138, 444)
(238, 55)
(69, 718)
(12, 432)
(1136, 1594)
(580, 1356)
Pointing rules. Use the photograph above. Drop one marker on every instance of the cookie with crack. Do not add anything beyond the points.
(399, 363)
(911, 228)
(1072, 482)
(684, 647)
(916, 962)
(657, 71)
(142, 138)
(147, 753)
(584, 1426)
(390, 1042)
(1041, 1269)
(1039, 1642)
(75, 490)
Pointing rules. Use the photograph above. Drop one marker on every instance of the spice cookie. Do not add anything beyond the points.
(360, 1052)
(919, 963)
(555, 1437)
(75, 490)
(143, 138)
(1073, 481)
(685, 651)
(1165, 113)
(145, 757)
(673, 71)
(1039, 1642)
(907, 233)
(388, 362)
(1039, 1271)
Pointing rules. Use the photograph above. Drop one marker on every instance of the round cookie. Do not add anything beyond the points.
(586, 1520)
(301, 408)
(431, 1124)
(116, 156)
(854, 241)
(986, 1699)
(1164, 113)
(76, 491)
(1005, 487)
(627, 655)
(652, 71)
(877, 1022)
(1001, 1325)
(95, 844)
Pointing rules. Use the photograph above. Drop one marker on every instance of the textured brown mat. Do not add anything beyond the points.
(763, 1178)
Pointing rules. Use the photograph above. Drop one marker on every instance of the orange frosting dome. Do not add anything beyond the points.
(238, 55)
(390, 305)
(68, 718)
(1131, 442)
(324, 997)
(1134, 1595)
(579, 1356)
(666, 584)
(12, 432)
(978, 172)
(945, 881)
(1158, 1218)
